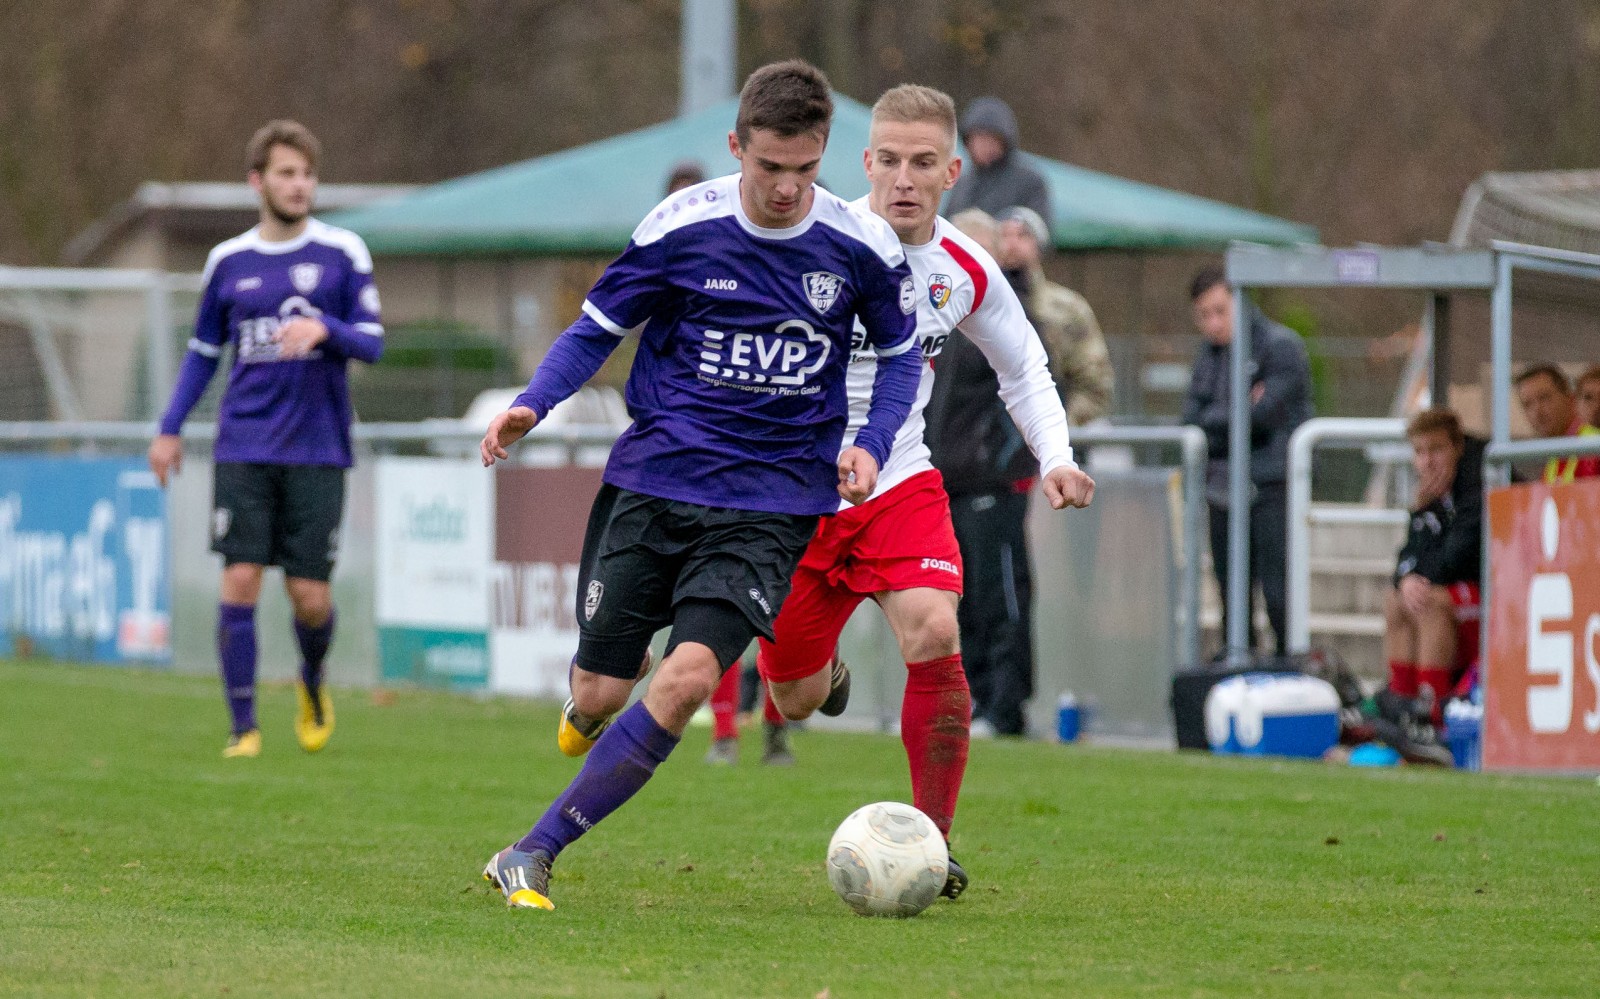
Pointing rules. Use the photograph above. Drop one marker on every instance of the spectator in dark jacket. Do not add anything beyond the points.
(1436, 577)
(1280, 400)
(998, 178)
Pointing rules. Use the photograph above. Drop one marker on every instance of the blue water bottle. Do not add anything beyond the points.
(1067, 718)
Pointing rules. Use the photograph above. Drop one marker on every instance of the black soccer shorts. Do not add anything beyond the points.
(717, 575)
(283, 515)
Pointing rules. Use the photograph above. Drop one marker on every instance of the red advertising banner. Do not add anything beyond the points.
(1542, 681)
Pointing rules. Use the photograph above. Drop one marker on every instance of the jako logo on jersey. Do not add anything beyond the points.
(305, 277)
(822, 289)
(369, 298)
(721, 284)
(765, 358)
(938, 289)
(247, 284)
(908, 295)
(755, 595)
(941, 565)
(591, 600)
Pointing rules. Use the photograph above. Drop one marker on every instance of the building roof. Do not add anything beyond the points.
(212, 206)
(589, 199)
(1556, 208)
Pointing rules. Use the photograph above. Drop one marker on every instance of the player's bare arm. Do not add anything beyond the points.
(858, 475)
(504, 431)
(1068, 485)
(166, 456)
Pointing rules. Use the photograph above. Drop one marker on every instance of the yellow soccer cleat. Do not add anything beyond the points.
(313, 723)
(243, 744)
(575, 734)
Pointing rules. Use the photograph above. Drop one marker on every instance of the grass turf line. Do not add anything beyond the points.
(138, 862)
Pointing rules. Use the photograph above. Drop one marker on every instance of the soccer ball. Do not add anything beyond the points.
(887, 859)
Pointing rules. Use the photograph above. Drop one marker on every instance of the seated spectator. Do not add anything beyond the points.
(1546, 398)
(1589, 397)
(1436, 579)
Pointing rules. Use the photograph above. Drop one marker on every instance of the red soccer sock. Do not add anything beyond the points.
(725, 705)
(1438, 678)
(1403, 678)
(934, 719)
(769, 710)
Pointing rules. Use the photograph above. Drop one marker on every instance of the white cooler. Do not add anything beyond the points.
(1272, 714)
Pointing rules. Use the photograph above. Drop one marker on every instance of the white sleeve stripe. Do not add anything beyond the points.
(204, 349)
(910, 341)
(593, 312)
(372, 329)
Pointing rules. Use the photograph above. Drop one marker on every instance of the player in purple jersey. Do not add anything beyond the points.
(296, 300)
(743, 290)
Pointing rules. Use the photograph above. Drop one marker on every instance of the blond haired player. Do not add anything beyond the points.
(899, 547)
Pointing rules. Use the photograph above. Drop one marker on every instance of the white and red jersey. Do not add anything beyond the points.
(959, 285)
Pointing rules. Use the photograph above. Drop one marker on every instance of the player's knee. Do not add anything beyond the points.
(598, 696)
(313, 601)
(1394, 609)
(794, 702)
(688, 676)
(935, 636)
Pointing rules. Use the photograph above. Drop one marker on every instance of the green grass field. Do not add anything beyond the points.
(138, 862)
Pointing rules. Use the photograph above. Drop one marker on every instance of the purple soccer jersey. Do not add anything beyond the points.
(277, 411)
(737, 391)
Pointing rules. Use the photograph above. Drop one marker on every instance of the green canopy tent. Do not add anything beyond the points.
(589, 199)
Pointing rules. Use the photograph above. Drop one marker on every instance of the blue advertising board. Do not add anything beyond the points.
(85, 569)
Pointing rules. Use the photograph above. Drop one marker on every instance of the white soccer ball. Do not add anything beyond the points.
(887, 859)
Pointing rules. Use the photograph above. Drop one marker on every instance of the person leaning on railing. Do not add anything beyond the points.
(1547, 401)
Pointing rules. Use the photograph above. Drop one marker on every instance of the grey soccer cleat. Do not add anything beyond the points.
(776, 752)
(955, 880)
(839, 688)
(723, 752)
(523, 878)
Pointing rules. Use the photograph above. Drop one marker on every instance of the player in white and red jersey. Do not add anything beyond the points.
(899, 547)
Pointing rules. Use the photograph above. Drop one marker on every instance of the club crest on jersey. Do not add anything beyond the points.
(591, 601)
(305, 277)
(938, 289)
(822, 289)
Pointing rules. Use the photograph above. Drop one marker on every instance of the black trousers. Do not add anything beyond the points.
(1269, 554)
(996, 610)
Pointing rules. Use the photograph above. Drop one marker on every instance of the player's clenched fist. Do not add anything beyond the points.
(504, 431)
(1068, 486)
(858, 474)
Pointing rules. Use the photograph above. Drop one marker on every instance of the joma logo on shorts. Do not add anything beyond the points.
(941, 565)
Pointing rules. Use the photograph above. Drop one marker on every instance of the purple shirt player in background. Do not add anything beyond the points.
(743, 291)
(296, 300)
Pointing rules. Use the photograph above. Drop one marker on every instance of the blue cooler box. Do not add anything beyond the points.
(1272, 714)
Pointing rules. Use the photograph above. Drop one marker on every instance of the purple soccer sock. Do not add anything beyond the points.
(314, 644)
(620, 763)
(236, 650)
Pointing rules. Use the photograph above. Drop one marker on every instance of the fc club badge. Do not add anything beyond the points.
(305, 277)
(938, 289)
(591, 600)
(822, 289)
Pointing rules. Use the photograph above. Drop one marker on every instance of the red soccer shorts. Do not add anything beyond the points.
(1467, 600)
(899, 541)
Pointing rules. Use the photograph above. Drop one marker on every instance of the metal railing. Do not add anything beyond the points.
(1190, 441)
(1301, 515)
